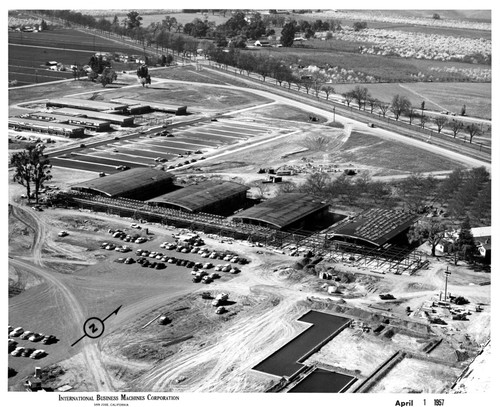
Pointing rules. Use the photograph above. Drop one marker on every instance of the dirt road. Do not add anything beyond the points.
(72, 307)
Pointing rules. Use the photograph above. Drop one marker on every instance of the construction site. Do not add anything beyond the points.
(162, 232)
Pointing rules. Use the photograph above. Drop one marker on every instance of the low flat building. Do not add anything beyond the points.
(86, 104)
(43, 126)
(155, 106)
(87, 122)
(109, 117)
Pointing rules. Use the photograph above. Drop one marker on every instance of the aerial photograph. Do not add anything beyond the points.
(249, 201)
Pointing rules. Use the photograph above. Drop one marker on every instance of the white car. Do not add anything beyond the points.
(62, 233)
(16, 332)
(39, 353)
(135, 226)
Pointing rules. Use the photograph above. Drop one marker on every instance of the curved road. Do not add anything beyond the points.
(91, 353)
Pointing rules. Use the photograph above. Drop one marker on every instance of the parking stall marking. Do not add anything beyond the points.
(125, 158)
(105, 161)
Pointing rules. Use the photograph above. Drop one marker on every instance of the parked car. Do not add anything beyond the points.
(16, 332)
(49, 339)
(40, 353)
(135, 226)
(36, 337)
(206, 280)
(17, 352)
(62, 233)
(27, 352)
(25, 335)
(220, 310)
(12, 345)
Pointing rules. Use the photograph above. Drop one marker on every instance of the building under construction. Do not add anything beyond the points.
(292, 211)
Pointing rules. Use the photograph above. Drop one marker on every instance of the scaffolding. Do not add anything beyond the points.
(392, 259)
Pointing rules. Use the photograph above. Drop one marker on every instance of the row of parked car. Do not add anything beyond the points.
(33, 353)
(122, 235)
(204, 252)
(31, 336)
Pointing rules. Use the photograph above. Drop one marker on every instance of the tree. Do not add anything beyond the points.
(169, 23)
(288, 34)
(22, 169)
(462, 112)
(372, 102)
(328, 89)
(133, 20)
(360, 94)
(466, 244)
(317, 82)
(423, 119)
(440, 122)
(31, 167)
(348, 97)
(43, 26)
(360, 25)
(107, 77)
(383, 107)
(431, 231)
(263, 67)
(40, 169)
(436, 16)
(316, 184)
(399, 105)
(473, 129)
(455, 127)
(411, 114)
(307, 82)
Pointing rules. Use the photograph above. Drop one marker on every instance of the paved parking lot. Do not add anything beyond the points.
(190, 142)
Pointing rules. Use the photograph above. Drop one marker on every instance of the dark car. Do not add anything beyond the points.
(48, 339)
(145, 263)
(12, 345)
(27, 352)
(160, 266)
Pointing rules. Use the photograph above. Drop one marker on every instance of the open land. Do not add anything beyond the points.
(57, 282)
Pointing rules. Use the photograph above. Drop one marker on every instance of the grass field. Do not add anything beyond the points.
(367, 150)
(28, 52)
(437, 96)
(385, 69)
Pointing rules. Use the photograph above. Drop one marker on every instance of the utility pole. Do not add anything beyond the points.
(447, 273)
(334, 114)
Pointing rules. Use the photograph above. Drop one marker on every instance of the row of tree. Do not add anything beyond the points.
(401, 105)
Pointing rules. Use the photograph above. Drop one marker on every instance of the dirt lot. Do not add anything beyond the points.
(416, 376)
